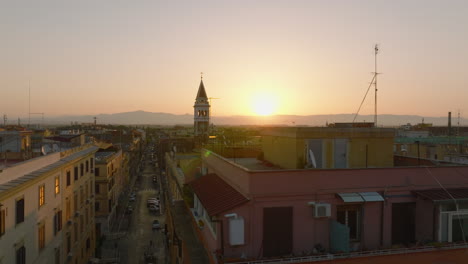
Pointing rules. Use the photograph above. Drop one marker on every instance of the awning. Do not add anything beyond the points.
(440, 195)
(360, 197)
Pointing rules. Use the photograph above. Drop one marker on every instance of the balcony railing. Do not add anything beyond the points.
(382, 252)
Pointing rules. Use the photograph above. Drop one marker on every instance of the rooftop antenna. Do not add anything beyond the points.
(95, 121)
(4, 120)
(376, 49)
(458, 123)
(373, 82)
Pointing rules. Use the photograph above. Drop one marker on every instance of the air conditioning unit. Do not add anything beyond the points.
(321, 209)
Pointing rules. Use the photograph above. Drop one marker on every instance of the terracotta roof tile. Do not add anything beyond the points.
(216, 195)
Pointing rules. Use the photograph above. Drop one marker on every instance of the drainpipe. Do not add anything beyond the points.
(382, 219)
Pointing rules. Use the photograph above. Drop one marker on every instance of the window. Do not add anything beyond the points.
(96, 187)
(81, 223)
(57, 222)
(97, 206)
(76, 173)
(20, 211)
(350, 216)
(57, 185)
(67, 209)
(75, 231)
(2, 222)
(96, 172)
(68, 178)
(91, 162)
(68, 243)
(87, 166)
(86, 190)
(88, 244)
(21, 255)
(41, 195)
(81, 169)
(57, 256)
(41, 236)
(75, 201)
(81, 196)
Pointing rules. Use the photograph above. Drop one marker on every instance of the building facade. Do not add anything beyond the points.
(247, 212)
(108, 186)
(37, 222)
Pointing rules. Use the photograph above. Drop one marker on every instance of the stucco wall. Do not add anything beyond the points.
(296, 188)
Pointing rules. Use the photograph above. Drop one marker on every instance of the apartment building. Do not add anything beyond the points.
(37, 221)
(247, 209)
(109, 185)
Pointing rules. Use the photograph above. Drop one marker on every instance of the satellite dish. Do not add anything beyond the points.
(45, 149)
(312, 158)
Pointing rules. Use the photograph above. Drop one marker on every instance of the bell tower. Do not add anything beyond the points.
(201, 115)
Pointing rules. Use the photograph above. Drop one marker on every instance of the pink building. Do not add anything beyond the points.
(247, 213)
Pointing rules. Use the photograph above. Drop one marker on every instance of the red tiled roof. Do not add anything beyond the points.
(442, 195)
(216, 195)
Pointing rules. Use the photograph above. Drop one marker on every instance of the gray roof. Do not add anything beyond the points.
(103, 155)
(37, 173)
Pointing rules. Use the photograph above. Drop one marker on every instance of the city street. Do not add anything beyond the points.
(142, 243)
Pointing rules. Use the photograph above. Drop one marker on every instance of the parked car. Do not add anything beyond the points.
(129, 210)
(153, 208)
(132, 198)
(156, 224)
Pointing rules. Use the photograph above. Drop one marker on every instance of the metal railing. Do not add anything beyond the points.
(382, 252)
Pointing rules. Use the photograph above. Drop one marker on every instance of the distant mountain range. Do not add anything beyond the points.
(149, 118)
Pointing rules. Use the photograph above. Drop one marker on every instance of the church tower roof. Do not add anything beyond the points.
(201, 90)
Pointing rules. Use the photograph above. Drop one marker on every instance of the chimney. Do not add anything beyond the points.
(449, 123)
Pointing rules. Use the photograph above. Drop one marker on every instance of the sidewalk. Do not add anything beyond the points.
(182, 221)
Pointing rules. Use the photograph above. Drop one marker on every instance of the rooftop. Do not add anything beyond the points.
(216, 195)
(37, 173)
(254, 164)
(104, 155)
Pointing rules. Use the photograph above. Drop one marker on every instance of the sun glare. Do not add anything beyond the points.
(264, 104)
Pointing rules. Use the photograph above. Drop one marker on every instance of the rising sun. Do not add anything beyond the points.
(264, 104)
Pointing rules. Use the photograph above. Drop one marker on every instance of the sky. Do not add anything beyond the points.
(296, 57)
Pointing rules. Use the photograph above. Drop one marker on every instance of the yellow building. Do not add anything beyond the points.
(46, 209)
(328, 147)
(109, 185)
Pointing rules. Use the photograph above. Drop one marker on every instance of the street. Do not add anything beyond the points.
(141, 243)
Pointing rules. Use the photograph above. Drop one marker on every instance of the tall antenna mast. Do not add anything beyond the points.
(376, 48)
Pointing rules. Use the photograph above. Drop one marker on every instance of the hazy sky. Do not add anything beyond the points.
(310, 57)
